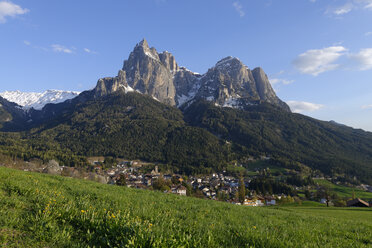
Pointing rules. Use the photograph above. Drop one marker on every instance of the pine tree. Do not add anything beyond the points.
(241, 190)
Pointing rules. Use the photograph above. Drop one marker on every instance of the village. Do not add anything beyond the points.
(216, 186)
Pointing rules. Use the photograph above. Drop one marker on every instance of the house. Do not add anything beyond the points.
(254, 202)
(270, 201)
(357, 203)
(260, 201)
(111, 172)
(249, 202)
(181, 190)
(147, 180)
(155, 172)
(225, 190)
(167, 177)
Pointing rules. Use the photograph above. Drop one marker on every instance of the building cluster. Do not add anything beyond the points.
(366, 187)
(214, 186)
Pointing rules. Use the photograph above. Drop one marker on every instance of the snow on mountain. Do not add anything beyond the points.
(37, 100)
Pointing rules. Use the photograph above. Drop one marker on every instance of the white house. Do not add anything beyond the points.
(181, 190)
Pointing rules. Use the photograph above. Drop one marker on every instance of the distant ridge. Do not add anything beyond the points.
(28, 100)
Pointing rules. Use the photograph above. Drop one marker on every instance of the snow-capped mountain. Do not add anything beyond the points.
(37, 100)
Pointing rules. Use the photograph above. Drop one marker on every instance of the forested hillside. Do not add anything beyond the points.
(331, 148)
(199, 138)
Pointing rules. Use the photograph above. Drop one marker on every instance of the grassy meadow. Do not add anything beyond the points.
(40, 210)
(343, 191)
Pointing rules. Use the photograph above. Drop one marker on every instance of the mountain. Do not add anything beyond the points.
(229, 83)
(287, 138)
(129, 125)
(10, 112)
(158, 111)
(37, 101)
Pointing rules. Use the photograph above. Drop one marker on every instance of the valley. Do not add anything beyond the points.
(157, 133)
(41, 210)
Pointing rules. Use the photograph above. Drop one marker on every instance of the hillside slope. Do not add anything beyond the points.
(49, 211)
(200, 138)
(134, 126)
(333, 149)
(10, 113)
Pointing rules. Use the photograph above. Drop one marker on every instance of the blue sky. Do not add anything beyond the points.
(317, 53)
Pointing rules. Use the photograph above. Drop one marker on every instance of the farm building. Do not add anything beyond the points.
(357, 203)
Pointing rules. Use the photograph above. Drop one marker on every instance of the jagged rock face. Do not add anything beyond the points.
(265, 90)
(150, 73)
(110, 85)
(229, 79)
(169, 61)
(229, 83)
(187, 85)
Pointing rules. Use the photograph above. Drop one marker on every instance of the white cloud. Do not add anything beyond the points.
(344, 9)
(61, 49)
(299, 107)
(368, 33)
(274, 80)
(9, 9)
(87, 50)
(317, 61)
(26, 42)
(239, 8)
(349, 6)
(367, 106)
(367, 4)
(280, 80)
(364, 58)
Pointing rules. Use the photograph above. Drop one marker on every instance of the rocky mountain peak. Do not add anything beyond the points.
(229, 83)
(169, 61)
(143, 43)
(264, 89)
(142, 51)
(228, 62)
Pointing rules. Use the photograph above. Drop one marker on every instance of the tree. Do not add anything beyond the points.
(161, 184)
(122, 181)
(188, 188)
(241, 190)
(325, 192)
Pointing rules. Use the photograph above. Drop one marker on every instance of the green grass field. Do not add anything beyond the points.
(39, 210)
(343, 191)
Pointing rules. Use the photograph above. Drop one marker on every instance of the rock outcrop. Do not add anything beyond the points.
(228, 84)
